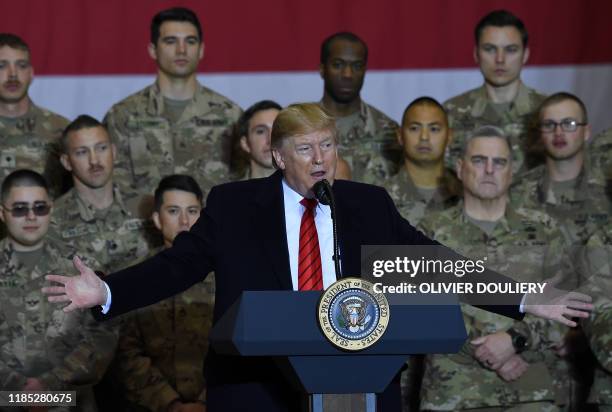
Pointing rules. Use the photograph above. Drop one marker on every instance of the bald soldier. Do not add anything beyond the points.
(43, 348)
(175, 125)
(501, 51)
(423, 185)
(366, 136)
(504, 364)
(567, 186)
(28, 133)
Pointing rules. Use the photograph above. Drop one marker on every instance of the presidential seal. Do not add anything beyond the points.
(351, 315)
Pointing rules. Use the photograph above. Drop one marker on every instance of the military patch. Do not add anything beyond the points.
(351, 316)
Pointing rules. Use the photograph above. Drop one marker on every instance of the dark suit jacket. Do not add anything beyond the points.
(241, 236)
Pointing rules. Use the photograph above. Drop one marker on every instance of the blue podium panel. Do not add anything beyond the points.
(281, 323)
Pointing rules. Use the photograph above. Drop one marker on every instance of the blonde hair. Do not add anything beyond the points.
(300, 119)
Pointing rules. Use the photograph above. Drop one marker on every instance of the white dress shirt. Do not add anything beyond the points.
(293, 218)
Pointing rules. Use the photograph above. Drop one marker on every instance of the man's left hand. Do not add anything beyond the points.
(494, 349)
(559, 305)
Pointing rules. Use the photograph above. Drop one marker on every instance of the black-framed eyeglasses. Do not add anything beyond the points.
(567, 125)
(22, 209)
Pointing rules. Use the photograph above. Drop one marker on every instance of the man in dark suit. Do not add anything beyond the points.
(255, 235)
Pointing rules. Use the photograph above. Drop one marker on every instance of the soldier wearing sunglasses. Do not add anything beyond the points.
(43, 347)
(567, 187)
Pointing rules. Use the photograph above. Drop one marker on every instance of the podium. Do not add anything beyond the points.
(283, 324)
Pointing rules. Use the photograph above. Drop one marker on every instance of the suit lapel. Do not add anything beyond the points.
(348, 235)
(269, 222)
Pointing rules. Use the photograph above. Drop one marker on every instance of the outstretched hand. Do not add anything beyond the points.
(83, 291)
(557, 304)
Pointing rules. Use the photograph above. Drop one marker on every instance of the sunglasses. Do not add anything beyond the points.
(22, 210)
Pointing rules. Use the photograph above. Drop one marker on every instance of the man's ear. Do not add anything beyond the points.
(321, 70)
(587, 132)
(114, 152)
(244, 145)
(475, 55)
(65, 162)
(201, 51)
(2, 213)
(398, 136)
(156, 221)
(450, 136)
(526, 55)
(152, 51)
(278, 159)
(459, 166)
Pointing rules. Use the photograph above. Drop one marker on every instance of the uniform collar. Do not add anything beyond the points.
(520, 105)
(87, 212)
(507, 221)
(155, 102)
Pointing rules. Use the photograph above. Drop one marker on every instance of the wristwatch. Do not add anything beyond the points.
(519, 342)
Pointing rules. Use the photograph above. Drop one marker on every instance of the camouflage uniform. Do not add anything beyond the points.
(597, 281)
(600, 153)
(66, 351)
(32, 142)
(411, 204)
(368, 142)
(580, 210)
(150, 147)
(473, 109)
(114, 236)
(523, 244)
(162, 348)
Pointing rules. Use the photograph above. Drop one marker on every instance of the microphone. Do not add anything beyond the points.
(323, 192)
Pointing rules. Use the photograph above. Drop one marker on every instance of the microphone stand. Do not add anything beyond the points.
(323, 192)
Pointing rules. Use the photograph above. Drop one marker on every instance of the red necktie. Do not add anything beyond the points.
(310, 274)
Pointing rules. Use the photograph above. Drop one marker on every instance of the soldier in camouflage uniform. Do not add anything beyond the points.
(41, 347)
(520, 243)
(423, 184)
(162, 347)
(251, 153)
(596, 279)
(600, 153)
(28, 133)
(567, 187)
(503, 100)
(175, 125)
(366, 136)
(96, 216)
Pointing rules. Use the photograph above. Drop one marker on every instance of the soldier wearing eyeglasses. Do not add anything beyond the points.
(567, 187)
(42, 348)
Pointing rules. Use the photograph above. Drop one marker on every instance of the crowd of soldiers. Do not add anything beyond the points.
(501, 171)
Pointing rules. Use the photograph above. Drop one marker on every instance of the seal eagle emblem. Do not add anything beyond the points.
(351, 315)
